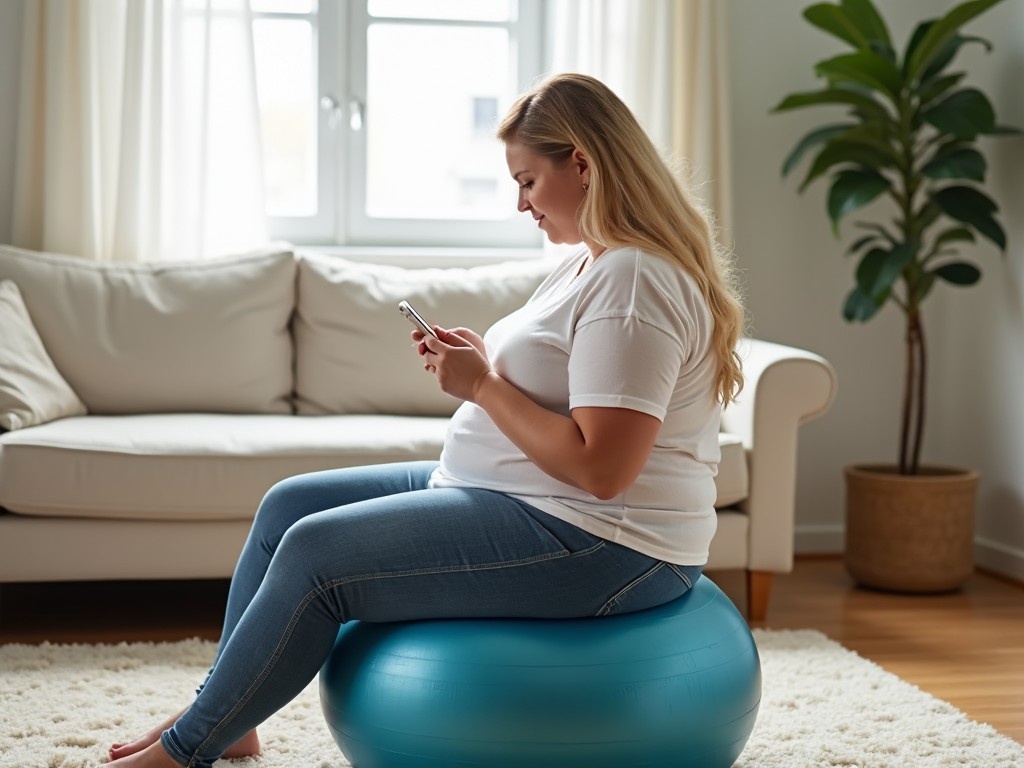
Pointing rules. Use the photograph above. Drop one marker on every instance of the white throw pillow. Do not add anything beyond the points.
(156, 337)
(32, 391)
(353, 353)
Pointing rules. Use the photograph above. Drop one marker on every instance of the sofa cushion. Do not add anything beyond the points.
(213, 466)
(32, 391)
(191, 466)
(352, 348)
(148, 338)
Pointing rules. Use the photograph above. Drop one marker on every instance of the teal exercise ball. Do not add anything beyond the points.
(678, 685)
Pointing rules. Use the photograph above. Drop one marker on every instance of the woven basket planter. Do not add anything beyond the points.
(910, 533)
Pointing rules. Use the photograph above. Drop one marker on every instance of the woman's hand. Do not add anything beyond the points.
(457, 358)
(469, 335)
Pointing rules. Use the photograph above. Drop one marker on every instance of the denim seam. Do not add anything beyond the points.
(681, 575)
(639, 579)
(314, 594)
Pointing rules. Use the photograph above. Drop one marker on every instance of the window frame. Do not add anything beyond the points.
(320, 227)
(341, 220)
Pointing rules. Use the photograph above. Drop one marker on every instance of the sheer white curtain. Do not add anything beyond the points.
(138, 135)
(667, 60)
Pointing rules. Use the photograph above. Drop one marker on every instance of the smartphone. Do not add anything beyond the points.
(415, 318)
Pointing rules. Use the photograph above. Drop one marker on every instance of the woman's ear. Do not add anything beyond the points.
(582, 164)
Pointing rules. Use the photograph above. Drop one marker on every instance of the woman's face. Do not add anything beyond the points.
(551, 192)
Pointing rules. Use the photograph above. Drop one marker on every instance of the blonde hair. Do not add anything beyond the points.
(633, 198)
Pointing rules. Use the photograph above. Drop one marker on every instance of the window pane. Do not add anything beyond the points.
(431, 149)
(257, 6)
(283, 6)
(469, 10)
(286, 84)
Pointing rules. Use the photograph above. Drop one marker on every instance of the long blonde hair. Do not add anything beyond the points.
(633, 198)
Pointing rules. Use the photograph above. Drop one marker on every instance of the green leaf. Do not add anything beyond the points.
(941, 32)
(973, 208)
(860, 243)
(958, 273)
(924, 286)
(862, 102)
(935, 88)
(834, 20)
(865, 68)
(859, 306)
(949, 50)
(852, 190)
(963, 114)
(959, 202)
(924, 217)
(915, 40)
(810, 140)
(867, 19)
(961, 163)
(876, 137)
(868, 270)
(879, 269)
(839, 151)
(878, 228)
(883, 50)
(953, 235)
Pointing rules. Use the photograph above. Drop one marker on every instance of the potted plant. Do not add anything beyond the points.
(909, 144)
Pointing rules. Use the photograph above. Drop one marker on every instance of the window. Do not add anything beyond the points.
(378, 118)
(286, 80)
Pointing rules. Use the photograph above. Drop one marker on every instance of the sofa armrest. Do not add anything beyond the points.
(784, 388)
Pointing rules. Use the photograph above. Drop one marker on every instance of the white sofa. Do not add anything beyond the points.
(149, 407)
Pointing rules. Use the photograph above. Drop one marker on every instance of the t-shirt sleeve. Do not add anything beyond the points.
(624, 362)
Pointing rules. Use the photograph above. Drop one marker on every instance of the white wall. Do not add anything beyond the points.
(10, 54)
(797, 278)
(980, 359)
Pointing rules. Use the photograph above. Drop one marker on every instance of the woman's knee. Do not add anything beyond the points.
(282, 506)
(318, 546)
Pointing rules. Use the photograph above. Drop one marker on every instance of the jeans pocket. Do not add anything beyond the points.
(567, 537)
(659, 584)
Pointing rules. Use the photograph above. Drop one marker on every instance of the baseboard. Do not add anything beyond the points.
(999, 558)
(989, 555)
(819, 539)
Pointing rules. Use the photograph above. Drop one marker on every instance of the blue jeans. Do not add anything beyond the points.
(374, 544)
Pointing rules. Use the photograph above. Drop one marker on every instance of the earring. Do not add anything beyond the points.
(586, 186)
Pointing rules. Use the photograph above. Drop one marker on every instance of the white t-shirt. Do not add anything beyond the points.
(633, 332)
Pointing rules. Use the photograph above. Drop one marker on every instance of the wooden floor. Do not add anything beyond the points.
(966, 648)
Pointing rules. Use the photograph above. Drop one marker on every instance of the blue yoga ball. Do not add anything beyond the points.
(677, 685)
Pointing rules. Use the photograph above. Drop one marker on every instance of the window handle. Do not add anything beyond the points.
(330, 105)
(355, 114)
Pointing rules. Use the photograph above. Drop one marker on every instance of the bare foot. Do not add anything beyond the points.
(152, 756)
(247, 746)
(120, 750)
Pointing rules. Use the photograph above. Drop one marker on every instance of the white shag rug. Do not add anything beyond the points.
(822, 705)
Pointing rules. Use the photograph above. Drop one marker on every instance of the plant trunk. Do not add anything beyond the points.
(912, 428)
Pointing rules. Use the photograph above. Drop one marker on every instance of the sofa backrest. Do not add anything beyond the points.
(352, 347)
(161, 337)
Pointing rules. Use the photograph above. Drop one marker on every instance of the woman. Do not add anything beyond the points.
(577, 478)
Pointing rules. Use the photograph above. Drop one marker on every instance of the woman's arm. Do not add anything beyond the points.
(598, 450)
